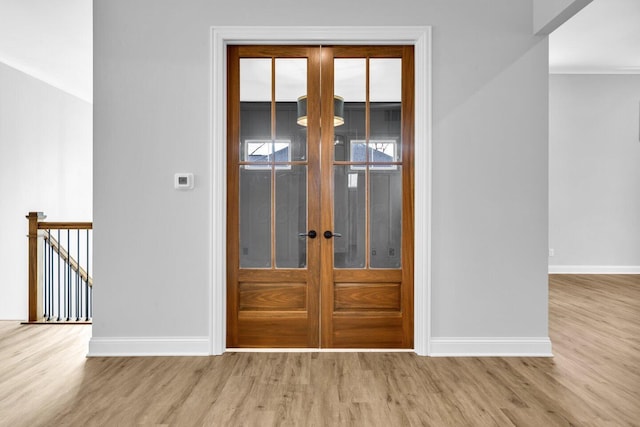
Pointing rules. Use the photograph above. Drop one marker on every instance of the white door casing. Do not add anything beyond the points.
(420, 38)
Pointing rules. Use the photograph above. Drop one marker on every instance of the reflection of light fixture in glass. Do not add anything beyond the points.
(338, 110)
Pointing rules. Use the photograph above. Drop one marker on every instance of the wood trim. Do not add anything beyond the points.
(65, 225)
(314, 201)
(408, 192)
(263, 275)
(233, 187)
(35, 285)
(371, 276)
(370, 51)
(326, 198)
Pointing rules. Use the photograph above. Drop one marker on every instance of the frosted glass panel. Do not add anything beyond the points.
(291, 217)
(349, 217)
(255, 218)
(385, 210)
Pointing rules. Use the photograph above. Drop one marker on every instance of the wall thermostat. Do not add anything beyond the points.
(183, 181)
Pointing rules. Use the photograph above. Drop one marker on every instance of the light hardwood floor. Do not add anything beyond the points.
(593, 380)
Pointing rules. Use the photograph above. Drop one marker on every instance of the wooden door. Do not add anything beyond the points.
(367, 198)
(320, 224)
(272, 197)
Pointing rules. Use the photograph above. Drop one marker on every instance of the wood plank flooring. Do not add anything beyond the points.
(593, 380)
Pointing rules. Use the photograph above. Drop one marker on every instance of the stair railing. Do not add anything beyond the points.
(60, 286)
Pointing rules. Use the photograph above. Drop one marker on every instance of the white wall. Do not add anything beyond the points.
(594, 173)
(45, 165)
(490, 112)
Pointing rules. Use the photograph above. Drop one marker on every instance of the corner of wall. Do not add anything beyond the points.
(548, 15)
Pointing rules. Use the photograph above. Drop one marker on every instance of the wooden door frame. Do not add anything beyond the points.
(420, 38)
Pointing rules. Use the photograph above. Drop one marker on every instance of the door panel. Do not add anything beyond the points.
(353, 286)
(272, 272)
(367, 198)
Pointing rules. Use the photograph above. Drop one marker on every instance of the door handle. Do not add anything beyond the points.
(328, 234)
(311, 234)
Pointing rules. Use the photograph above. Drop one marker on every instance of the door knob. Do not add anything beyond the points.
(311, 234)
(328, 234)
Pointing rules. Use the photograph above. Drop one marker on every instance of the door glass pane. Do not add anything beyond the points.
(291, 84)
(349, 217)
(291, 217)
(385, 96)
(255, 105)
(255, 217)
(385, 79)
(350, 83)
(385, 210)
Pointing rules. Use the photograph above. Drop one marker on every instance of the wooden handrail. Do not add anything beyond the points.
(68, 259)
(65, 225)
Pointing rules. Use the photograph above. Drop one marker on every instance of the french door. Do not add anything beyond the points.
(320, 196)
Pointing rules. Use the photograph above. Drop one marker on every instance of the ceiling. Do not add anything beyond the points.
(603, 38)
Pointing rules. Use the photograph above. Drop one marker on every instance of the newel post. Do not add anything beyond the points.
(35, 273)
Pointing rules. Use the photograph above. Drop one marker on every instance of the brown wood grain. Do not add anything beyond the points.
(35, 286)
(326, 197)
(367, 296)
(273, 297)
(361, 331)
(272, 331)
(233, 191)
(367, 276)
(269, 275)
(408, 192)
(65, 225)
(382, 51)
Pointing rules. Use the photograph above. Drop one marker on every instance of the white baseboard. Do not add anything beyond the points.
(491, 347)
(320, 350)
(594, 269)
(149, 346)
